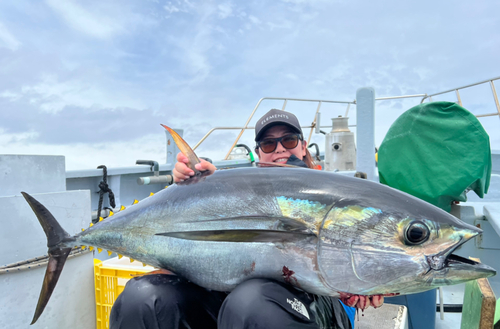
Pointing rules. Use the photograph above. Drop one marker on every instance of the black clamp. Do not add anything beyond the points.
(104, 188)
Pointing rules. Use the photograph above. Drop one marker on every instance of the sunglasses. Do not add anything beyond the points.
(268, 145)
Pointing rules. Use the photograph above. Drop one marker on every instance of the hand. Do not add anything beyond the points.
(363, 302)
(182, 172)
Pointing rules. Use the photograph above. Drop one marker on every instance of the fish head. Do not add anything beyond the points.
(389, 249)
(432, 242)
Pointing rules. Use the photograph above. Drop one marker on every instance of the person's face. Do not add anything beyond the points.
(281, 154)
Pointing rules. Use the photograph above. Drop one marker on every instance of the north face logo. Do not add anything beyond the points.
(299, 307)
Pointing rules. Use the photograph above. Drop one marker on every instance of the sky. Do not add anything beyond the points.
(93, 80)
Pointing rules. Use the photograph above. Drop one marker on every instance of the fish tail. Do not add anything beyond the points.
(57, 239)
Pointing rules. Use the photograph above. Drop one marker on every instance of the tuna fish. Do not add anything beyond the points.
(322, 232)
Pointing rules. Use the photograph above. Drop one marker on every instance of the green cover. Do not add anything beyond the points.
(437, 152)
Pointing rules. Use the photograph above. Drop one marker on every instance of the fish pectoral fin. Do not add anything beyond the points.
(240, 235)
(286, 224)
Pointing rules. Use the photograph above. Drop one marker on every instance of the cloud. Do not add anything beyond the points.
(52, 94)
(103, 75)
(75, 124)
(225, 10)
(281, 25)
(88, 156)
(196, 47)
(7, 40)
(91, 20)
(16, 138)
(10, 96)
(254, 20)
(170, 8)
(178, 6)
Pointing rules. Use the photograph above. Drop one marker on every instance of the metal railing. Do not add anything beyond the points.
(459, 100)
(320, 102)
(285, 101)
(390, 98)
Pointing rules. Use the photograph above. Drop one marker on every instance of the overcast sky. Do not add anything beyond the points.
(93, 80)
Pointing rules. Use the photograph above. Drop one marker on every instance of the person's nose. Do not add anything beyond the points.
(280, 148)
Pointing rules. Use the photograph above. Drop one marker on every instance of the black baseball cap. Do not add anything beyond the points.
(276, 117)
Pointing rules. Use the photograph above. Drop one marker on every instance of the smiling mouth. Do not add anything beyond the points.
(281, 160)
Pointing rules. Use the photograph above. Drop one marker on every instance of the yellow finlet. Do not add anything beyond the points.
(83, 247)
(91, 248)
(91, 224)
(120, 256)
(99, 250)
(131, 260)
(111, 213)
(83, 229)
(109, 252)
(135, 201)
(144, 264)
(151, 194)
(101, 219)
(122, 208)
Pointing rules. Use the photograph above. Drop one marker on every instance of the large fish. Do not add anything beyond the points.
(322, 232)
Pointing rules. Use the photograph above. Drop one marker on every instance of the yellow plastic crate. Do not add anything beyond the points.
(110, 278)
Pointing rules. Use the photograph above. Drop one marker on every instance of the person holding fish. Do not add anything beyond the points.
(168, 301)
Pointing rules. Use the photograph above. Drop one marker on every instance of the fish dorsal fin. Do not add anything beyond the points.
(185, 149)
(274, 164)
(240, 235)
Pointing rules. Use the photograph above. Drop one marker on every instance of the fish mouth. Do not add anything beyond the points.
(462, 267)
(457, 263)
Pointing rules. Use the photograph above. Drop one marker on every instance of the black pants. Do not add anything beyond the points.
(162, 301)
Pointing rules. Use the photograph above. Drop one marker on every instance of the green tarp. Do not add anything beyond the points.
(437, 152)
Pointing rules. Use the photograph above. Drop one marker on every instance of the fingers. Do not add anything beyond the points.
(351, 301)
(363, 302)
(205, 166)
(182, 172)
(377, 301)
(182, 158)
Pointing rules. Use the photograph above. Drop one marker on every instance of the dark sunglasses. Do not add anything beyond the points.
(268, 145)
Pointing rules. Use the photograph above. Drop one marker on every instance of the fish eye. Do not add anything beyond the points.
(416, 233)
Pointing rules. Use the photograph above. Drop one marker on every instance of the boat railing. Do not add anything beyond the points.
(286, 100)
(459, 100)
(320, 102)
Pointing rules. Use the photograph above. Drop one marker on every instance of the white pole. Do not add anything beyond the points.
(365, 131)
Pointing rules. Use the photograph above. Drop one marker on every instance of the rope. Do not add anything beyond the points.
(36, 262)
(104, 188)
